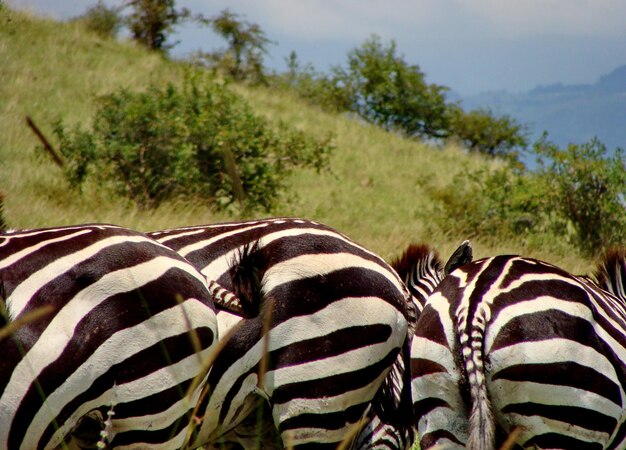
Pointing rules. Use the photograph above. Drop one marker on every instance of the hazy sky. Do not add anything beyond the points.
(468, 45)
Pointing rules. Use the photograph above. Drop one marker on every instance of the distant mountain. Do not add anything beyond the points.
(569, 113)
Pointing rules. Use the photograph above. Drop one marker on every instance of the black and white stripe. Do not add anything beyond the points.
(510, 343)
(339, 319)
(104, 323)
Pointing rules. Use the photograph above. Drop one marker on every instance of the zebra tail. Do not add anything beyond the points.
(482, 429)
(246, 273)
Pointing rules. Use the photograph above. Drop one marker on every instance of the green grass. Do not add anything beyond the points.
(375, 192)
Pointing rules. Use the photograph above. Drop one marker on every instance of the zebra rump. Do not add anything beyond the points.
(103, 332)
(511, 344)
(329, 319)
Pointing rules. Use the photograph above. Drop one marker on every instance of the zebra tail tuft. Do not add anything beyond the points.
(610, 274)
(246, 273)
(482, 428)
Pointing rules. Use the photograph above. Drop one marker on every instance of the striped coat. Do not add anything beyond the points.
(338, 319)
(510, 344)
(103, 331)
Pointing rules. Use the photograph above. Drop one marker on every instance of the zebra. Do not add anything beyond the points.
(514, 346)
(340, 319)
(103, 333)
(213, 248)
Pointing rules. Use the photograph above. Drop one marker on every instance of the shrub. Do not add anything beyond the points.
(481, 131)
(164, 142)
(588, 188)
(503, 203)
(576, 197)
(102, 20)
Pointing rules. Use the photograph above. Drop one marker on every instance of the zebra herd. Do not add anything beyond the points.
(284, 333)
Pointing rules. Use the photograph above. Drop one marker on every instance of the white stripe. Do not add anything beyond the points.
(424, 348)
(531, 426)
(184, 251)
(332, 404)
(14, 257)
(552, 351)
(343, 363)
(443, 418)
(40, 231)
(506, 392)
(305, 266)
(442, 306)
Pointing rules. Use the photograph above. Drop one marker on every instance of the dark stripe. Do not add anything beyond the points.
(554, 440)
(582, 417)
(335, 384)
(563, 374)
(423, 407)
(430, 326)
(333, 344)
(327, 421)
(430, 439)
(619, 437)
(306, 296)
(226, 244)
(421, 367)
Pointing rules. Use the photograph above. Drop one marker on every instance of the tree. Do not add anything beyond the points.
(588, 189)
(103, 20)
(247, 43)
(151, 22)
(481, 131)
(383, 89)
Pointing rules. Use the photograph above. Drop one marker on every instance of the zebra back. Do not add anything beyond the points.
(309, 274)
(103, 332)
(526, 345)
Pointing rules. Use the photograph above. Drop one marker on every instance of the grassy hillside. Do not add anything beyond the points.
(375, 193)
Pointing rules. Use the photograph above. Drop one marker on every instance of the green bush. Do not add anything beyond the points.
(587, 188)
(481, 131)
(577, 196)
(165, 142)
(503, 203)
(102, 20)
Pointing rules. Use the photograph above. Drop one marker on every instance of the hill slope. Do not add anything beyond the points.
(375, 193)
